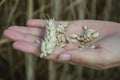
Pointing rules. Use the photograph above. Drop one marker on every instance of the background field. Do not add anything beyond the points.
(14, 65)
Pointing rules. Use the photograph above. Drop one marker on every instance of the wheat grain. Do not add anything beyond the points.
(93, 47)
(37, 41)
(84, 28)
(95, 35)
(91, 31)
(74, 36)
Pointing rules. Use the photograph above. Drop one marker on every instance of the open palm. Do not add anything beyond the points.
(104, 56)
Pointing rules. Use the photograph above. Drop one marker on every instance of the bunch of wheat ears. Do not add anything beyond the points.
(54, 36)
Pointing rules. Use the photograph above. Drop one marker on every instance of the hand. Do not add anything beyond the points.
(105, 56)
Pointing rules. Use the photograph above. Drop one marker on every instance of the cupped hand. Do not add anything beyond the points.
(106, 55)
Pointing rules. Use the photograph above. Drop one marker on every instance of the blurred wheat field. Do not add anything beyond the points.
(15, 65)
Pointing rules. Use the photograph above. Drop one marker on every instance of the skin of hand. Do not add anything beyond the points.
(106, 55)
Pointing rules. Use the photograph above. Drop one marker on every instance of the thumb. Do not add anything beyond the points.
(84, 57)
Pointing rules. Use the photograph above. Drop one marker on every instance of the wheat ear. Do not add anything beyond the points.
(50, 40)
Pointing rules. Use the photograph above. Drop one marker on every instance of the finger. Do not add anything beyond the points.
(40, 23)
(15, 35)
(36, 23)
(27, 47)
(86, 57)
(28, 30)
(54, 55)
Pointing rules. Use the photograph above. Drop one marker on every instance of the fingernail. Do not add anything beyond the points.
(64, 57)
